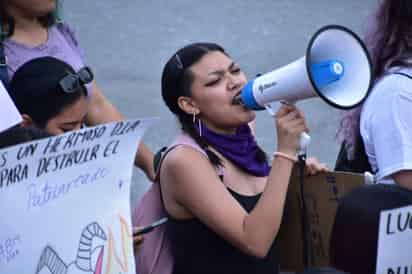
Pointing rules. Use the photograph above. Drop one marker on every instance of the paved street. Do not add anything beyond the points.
(127, 43)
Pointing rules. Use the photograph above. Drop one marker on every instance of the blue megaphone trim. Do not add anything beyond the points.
(247, 97)
(327, 72)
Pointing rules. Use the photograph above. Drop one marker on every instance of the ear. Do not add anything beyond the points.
(27, 121)
(188, 105)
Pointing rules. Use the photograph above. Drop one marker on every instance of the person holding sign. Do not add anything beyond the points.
(44, 80)
(33, 31)
(224, 201)
(384, 119)
(50, 95)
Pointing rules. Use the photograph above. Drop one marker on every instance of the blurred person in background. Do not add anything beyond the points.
(32, 31)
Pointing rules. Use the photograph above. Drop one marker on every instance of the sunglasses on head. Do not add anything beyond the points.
(73, 81)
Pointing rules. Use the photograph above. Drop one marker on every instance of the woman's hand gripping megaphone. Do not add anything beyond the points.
(291, 129)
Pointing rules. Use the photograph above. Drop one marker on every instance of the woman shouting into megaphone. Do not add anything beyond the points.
(224, 199)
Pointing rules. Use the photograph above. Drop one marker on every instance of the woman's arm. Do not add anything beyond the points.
(102, 111)
(190, 182)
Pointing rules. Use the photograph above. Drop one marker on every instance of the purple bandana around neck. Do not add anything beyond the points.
(240, 148)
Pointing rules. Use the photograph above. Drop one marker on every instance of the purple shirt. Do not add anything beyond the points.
(61, 43)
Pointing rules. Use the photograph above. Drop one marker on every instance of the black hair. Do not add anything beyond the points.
(18, 135)
(36, 92)
(7, 22)
(354, 236)
(390, 39)
(177, 80)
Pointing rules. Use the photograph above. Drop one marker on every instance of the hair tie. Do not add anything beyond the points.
(179, 62)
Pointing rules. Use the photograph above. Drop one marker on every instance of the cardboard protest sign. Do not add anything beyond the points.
(9, 114)
(65, 202)
(322, 194)
(395, 239)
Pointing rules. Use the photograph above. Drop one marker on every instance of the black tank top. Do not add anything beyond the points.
(198, 250)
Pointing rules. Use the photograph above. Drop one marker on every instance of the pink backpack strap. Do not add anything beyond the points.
(182, 140)
(154, 255)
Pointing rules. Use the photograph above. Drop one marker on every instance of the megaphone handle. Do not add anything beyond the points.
(304, 137)
(270, 110)
(304, 142)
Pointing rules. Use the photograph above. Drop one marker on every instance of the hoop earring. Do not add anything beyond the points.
(200, 127)
(199, 124)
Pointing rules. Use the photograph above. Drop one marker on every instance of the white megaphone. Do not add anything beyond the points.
(336, 68)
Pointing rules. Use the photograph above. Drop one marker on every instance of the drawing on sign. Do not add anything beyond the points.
(91, 258)
(119, 264)
(83, 263)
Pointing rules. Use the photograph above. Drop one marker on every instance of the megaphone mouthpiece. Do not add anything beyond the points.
(237, 100)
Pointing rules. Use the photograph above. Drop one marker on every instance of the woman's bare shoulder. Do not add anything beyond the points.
(183, 156)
